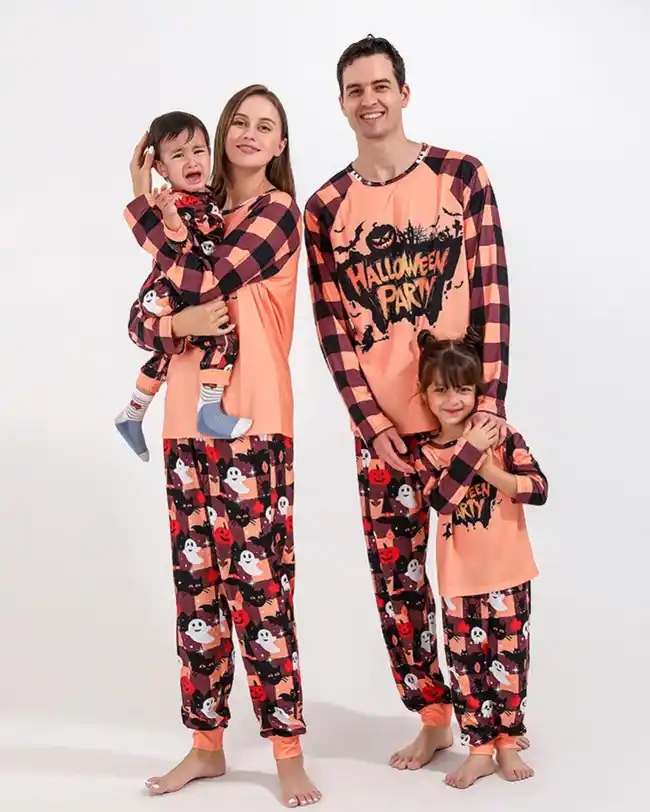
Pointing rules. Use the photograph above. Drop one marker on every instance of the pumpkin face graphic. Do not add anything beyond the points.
(381, 238)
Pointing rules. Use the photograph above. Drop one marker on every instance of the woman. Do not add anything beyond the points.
(231, 502)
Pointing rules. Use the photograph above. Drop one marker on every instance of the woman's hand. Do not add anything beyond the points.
(210, 319)
(140, 167)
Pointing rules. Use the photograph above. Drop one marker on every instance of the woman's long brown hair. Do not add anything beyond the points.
(278, 171)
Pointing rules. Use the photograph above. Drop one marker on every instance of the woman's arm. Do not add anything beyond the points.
(256, 249)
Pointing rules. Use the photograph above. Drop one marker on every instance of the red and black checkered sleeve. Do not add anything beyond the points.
(150, 332)
(257, 248)
(445, 488)
(489, 297)
(532, 485)
(332, 327)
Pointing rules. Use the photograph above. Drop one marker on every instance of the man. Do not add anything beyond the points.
(407, 237)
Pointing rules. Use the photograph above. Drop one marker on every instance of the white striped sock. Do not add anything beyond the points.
(138, 406)
(210, 394)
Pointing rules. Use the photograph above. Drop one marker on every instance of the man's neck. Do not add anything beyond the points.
(244, 185)
(382, 160)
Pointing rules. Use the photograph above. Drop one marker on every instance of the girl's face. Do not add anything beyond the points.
(255, 135)
(451, 406)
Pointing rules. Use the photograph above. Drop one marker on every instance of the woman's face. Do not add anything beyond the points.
(255, 135)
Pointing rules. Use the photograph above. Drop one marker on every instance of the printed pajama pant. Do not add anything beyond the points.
(231, 521)
(396, 526)
(487, 640)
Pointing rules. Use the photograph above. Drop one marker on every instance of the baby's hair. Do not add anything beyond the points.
(171, 125)
(452, 363)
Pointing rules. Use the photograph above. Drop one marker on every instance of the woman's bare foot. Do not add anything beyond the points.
(196, 764)
(420, 752)
(513, 767)
(297, 789)
(473, 768)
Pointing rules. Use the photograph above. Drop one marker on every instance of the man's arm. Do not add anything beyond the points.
(333, 331)
(256, 249)
(489, 296)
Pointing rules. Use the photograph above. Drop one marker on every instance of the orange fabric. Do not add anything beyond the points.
(150, 386)
(436, 715)
(208, 739)
(482, 750)
(488, 548)
(284, 747)
(260, 386)
(218, 377)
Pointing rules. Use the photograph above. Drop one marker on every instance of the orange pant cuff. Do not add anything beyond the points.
(208, 739)
(216, 377)
(505, 742)
(436, 715)
(285, 747)
(482, 750)
(150, 386)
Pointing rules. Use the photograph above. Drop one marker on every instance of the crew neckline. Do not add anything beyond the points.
(421, 156)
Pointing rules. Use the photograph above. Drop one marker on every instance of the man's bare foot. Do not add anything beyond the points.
(513, 767)
(473, 768)
(416, 755)
(297, 789)
(196, 764)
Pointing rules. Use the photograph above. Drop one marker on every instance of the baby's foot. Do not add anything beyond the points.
(214, 422)
(420, 752)
(131, 431)
(473, 768)
(297, 789)
(513, 767)
(196, 764)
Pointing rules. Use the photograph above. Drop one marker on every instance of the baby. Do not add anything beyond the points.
(181, 148)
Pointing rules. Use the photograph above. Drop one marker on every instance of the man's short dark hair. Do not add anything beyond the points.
(369, 46)
(171, 125)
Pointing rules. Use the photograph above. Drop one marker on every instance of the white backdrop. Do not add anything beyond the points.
(552, 97)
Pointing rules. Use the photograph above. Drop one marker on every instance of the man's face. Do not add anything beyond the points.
(185, 161)
(371, 100)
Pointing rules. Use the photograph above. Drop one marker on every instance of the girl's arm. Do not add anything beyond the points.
(523, 481)
(445, 488)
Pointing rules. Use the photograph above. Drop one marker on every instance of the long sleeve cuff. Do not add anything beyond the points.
(170, 344)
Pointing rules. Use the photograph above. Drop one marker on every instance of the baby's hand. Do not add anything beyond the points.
(165, 200)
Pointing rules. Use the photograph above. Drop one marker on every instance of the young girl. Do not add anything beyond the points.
(484, 558)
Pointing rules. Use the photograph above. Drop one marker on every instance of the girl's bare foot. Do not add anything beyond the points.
(416, 755)
(513, 767)
(473, 768)
(297, 789)
(196, 764)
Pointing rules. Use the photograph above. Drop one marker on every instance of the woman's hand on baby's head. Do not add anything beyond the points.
(141, 166)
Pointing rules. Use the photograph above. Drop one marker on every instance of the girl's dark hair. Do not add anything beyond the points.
(453, 363)
(278, 172)
(369, 46)
(171, 125)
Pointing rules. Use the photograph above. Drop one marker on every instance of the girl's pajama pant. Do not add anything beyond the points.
(487, 640)
(231, 521)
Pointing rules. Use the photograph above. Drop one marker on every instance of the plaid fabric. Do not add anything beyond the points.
(532, 485)
(231, 521)
(486, 273)
(445, 489)
(487, 642)
(256, 248)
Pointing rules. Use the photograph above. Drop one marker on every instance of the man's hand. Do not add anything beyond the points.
(140, 167)
(481, 418)
(165, 200)
(387, 446)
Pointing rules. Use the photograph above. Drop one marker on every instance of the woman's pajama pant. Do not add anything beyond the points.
(231, 521)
